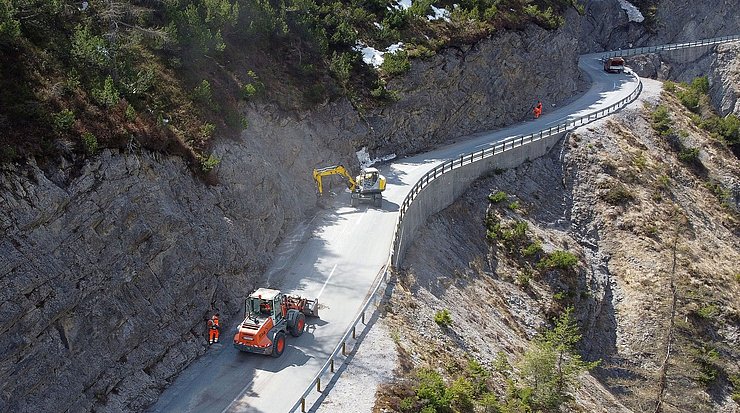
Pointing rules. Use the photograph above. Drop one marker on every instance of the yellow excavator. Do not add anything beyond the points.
(368, 186)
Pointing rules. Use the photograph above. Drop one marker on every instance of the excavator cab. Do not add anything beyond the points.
(365, 187)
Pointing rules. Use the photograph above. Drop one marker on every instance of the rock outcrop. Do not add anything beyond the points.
(724, 87)
(468, 89)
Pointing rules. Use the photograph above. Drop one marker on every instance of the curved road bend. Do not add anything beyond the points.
(336, 257)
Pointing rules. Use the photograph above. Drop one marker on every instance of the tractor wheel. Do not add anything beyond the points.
(353, 201)
(278, 346)
(379, 202)
(298, 325)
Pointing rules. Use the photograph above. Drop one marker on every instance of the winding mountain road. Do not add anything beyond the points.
(337, 257)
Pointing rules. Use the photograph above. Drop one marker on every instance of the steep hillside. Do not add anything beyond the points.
(654, 285)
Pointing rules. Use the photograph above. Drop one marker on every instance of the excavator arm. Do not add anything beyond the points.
(319, 173)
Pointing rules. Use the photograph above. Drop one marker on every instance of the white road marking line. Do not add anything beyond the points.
(327, 280)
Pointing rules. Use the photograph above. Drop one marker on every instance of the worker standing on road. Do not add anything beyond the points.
(537, 110)
(213, 328)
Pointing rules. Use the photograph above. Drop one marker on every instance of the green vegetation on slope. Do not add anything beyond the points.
(170, 75)
(544, 378)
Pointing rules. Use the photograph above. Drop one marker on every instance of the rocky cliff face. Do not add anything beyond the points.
(724, 87)
(469, 89)
(685, 20)
(108, 277)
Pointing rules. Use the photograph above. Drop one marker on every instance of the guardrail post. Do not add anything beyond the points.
(332, 365)
(363, 317)
(344, 348)
(303, 405)
(318, 385)
(353, 332)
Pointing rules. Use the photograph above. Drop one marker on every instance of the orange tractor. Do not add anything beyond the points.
(270, 314)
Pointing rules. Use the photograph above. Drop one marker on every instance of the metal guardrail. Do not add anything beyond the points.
(465, 159)
(666, 47)
(342, 346)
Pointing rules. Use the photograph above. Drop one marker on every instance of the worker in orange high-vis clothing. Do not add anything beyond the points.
(537, 110)
(213, 328)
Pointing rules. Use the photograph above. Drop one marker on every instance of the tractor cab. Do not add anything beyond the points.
(264, 303)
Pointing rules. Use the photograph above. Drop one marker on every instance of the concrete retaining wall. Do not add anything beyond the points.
(442, 191)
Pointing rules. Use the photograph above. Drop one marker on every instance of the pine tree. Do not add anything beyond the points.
(551, 367)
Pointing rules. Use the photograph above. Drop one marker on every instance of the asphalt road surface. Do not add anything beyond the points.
(337, 257)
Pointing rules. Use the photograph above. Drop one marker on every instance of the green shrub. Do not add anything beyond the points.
(10, 28)
(664, 182)
(407, 404)
(515, 234)
(514, 205)
(130, 113)
(708, 312)
(735, 381)
(692, 94)
(493, 226)
(558, 259)
(460, 394)
(662, 122)
(207, 164)
(618, 194)
(432, 391)
(89, 143)
(532, 249)
(700, 85)
(107, 95)
(248, 91)
(63, 120)
(727, 128)
(689, 155)
(202, 93)
(690, 99)
(88, 49)
(498, 196)
(443, 318)
(207, 130)
(669, 86)
(341, 66)
(501, 364)
(396, 63)
(523, 278)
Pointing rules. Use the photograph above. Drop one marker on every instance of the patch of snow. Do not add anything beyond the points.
(405, 4)
(633, 13)
(364, 158)
(370, 55)
(440, 14)
(394, 47)
(378, 25)
(373, 56)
